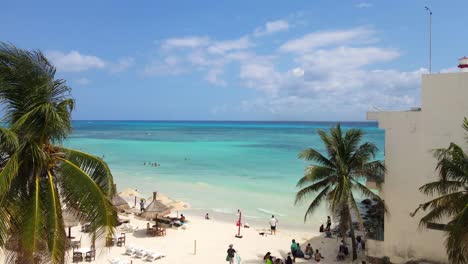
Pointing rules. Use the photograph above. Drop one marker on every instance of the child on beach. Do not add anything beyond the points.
(230, 254)
(318, 256)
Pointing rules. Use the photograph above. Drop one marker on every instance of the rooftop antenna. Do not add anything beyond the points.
(430, 38)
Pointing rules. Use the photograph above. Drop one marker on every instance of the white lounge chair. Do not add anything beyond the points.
(141, 253)
(130, 250)
(154, 256)
(118, 261)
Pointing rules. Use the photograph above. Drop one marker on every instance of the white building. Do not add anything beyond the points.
(410, 137)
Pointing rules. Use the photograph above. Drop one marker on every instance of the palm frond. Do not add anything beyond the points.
(313, 155)
(8, 141)
(54, 223)
(90, 201)
(310, 190)
(315, 173)
(316, 202)
(442, 187)
(457, 239)
(93, 166)
(32, 231)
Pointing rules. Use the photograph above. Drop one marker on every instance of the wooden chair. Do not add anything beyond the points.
(77, 257)
(76, 244)
(121, 240)
(91, 255)
(161, 231)
(109, 242)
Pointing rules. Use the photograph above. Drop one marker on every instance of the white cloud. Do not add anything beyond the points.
(74, 61)
(122, 65)
(221, 47)
(309, 42)
(324, 69)
(213, 76)
(298, 72)
(363, 5)
(170, 65)
(272, 27)
(83, 81)
(185, 42)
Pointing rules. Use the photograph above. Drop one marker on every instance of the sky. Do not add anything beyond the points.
(239, 60)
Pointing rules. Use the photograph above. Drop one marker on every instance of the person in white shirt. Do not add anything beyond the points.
(273, 222)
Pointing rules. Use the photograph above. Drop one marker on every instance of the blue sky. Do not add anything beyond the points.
(239, 60)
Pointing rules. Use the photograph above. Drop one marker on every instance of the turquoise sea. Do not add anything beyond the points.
(214, 166)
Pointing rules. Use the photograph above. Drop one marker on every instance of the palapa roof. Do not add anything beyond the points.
(155, 208)
(69, 219)
(129, 192)
(120, 203)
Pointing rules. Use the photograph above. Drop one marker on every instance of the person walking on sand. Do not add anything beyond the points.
(273, 222)
(328, 222)
(230, 254)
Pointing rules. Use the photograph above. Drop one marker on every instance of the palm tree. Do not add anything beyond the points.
(452, 203)
(38, 176)
(335, 178)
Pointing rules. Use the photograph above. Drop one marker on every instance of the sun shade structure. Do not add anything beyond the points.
(118, 202)
(69, 220)
(131, 196)
(155, 209)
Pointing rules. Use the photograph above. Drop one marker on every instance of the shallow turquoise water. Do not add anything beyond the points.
(220, 166)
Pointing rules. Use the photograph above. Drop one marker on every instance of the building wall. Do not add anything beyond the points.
(410, 138)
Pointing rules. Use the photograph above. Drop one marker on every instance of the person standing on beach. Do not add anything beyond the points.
(230, 254)
(273, 222)
(294, 249)
(142, 205)
(328, 222)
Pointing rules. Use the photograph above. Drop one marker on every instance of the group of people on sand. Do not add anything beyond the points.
(296, 252)
(152, 164)
(326, 230)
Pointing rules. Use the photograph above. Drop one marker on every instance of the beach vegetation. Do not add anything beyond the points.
(39, 178)
(336, 175)
(451, 204)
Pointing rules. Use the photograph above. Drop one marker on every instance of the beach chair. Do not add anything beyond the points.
(121, 240)
(130, 250)
(141, 253)
(77, 257)
(91, 255)
(152, 256)
(76, 243)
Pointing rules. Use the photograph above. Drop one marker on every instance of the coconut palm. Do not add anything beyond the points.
(38, 176)
(335, 178)
(452, 203)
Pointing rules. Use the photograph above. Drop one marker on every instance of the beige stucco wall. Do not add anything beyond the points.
(410, 138)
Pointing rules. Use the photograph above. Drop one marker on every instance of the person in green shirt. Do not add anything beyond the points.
(294, 249)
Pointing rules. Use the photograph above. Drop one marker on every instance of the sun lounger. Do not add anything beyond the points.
(130, 250)
(118, 261)
(154, 256)
(141, 253)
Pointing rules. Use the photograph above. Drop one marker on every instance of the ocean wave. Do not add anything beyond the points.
(265, 211)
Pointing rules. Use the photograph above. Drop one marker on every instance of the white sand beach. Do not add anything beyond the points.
(212, 238)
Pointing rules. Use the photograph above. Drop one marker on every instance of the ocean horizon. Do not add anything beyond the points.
(215, 166)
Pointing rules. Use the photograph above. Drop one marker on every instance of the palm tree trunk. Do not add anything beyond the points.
(352, 235)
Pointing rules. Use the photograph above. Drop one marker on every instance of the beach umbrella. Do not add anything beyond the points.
(155, 209)
(69, 220)
(118, 202)
(131, 196)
